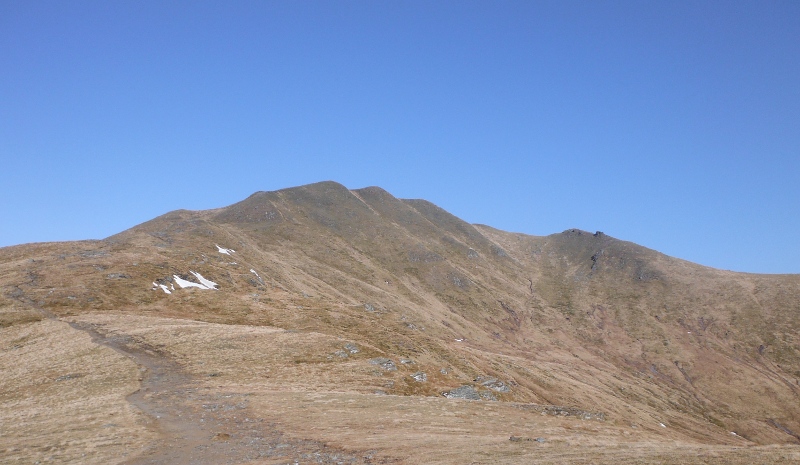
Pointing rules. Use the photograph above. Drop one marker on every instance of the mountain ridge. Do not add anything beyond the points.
(633, 338)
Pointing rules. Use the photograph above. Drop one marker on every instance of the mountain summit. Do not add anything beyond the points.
(319, 323)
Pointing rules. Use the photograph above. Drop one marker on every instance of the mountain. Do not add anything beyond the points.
(326, 325)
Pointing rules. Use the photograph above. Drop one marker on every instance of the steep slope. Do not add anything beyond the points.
(400, 297)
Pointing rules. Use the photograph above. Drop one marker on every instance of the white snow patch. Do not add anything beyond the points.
(734, 433)
(663, 425)
(224, 250)
(184, 283)
(156, 286)
(254, 272)
(206, 282)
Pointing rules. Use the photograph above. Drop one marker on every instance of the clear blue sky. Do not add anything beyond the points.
(675, 125)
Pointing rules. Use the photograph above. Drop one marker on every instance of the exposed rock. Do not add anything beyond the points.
(424, 256)
(492, 383)
(557, 410)
(384, 363)
(352, 348)
(595, 258)
(464, 392)
(117, 276)
(524, 439)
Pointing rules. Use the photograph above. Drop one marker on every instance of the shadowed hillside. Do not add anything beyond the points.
(361, 298)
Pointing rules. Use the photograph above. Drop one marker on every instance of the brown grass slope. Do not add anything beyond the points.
(608, 328)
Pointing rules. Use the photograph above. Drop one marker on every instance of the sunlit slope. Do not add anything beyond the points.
(574, 319)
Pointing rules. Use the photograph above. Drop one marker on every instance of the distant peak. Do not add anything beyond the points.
(318, 186)
(373, 190)
(327, 184)
(575, 232)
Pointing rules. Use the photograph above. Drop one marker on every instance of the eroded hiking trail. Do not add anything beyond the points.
(197, 426)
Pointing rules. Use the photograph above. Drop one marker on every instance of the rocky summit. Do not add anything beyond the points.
(319, 324)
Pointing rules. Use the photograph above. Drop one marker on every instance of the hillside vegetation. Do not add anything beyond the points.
(351, 326)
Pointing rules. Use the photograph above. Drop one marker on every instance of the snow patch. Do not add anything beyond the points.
(254, 272)
(156, 286)
(224, 250)
(663, 425)
(184, 283)
(206, 282)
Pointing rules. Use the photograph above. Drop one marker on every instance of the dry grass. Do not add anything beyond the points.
(290, 382)
(573, 319)
(62, 398)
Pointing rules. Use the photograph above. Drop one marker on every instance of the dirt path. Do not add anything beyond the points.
(197, 426)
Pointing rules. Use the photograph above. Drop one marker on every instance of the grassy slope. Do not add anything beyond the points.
(570, 319)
